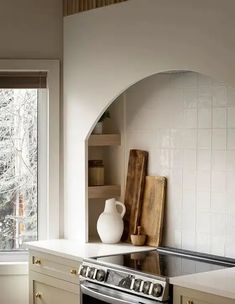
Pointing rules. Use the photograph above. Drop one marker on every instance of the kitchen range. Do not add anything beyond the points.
(141, 277)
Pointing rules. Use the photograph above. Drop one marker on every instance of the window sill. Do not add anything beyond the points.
(13, 257)
(13, 268)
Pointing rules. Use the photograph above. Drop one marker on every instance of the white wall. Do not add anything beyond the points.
(28, 30)
(187, 123)
(31, 29)
(108, 49)
(14, 283)
(14, 289)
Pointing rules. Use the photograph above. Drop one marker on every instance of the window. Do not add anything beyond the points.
(18, 167)
(19, 98)
(29, 152)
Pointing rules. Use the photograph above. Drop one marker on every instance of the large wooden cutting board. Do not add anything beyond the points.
(153, 209)
(136, 173)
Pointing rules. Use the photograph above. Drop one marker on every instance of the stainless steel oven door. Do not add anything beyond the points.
(91, 293)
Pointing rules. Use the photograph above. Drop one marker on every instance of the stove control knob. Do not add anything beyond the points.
(125, 282)
(100, 276)
(83, 271)
(137, 284)
(146, 287)
(91, 273)
(157, 290)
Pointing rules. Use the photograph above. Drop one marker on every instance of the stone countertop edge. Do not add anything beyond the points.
(75, 250)
(217, 282)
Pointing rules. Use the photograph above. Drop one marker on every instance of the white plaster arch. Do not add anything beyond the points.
(109, 49)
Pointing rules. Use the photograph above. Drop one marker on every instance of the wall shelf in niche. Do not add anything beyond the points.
(96, 140)
(104, 191)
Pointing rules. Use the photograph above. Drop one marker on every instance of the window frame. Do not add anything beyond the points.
(49, 147)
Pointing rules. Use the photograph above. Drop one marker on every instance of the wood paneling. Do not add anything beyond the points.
(76, 6)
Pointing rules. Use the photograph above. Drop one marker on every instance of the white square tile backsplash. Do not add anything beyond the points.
(231, 139)
(219, 118)
(219, 137)
(187, 123)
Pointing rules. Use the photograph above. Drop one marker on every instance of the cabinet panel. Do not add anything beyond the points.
(44, 289)
(54, 266)
(52, 295)
(189, 300)
(184, 295)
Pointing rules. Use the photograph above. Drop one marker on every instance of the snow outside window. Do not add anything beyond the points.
(18, 167)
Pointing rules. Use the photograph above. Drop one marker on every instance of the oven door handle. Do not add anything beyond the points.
(103, 297)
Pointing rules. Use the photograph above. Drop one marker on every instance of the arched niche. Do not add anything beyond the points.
(109, 49)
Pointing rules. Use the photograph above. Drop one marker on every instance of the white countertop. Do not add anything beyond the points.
(217, 282)
(76, 250)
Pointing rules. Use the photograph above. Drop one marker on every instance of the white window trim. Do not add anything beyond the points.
(48, 204)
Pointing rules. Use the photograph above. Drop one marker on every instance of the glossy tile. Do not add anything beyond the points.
(189, 159)
(188, 239)
(230, 161)
(203, 242)
(217, 245)
(218, 181)
(189, 179)
(219, 160)
(203, 159)
(204, 200)
(190, 118)
(205, 118)
(231, 139)
(219, 118)
(218, 202)
(218, 224)
(190, 96)
(219, 96)
(203, 180)
(203, 222)
(187, 123)
(219, 139)
(204, 138)
(189, 139)
(231, 96)
(231, 117)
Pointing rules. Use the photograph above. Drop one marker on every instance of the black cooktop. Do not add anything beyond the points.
(167, 262)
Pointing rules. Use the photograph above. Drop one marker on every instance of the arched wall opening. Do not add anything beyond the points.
(103, 57)
(185, 121)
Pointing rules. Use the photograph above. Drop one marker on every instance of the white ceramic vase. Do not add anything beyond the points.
(110, 224)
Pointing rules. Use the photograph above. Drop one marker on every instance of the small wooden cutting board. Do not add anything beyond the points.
(153, 209)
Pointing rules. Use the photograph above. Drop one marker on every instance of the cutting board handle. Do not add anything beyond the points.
(123, 208)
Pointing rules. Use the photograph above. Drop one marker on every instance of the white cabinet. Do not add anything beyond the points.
(183, 295)
(52, 279)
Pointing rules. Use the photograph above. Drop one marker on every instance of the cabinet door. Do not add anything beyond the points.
(184, 295)
(49, 290)
(54, 266)
(189, 300)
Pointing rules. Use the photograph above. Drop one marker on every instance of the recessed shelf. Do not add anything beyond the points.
(104, 191)
(104, 140)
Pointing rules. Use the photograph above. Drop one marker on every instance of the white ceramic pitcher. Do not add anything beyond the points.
(110, 224)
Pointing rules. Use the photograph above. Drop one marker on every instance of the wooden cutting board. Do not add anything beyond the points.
(153, 209)
(136, 173)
